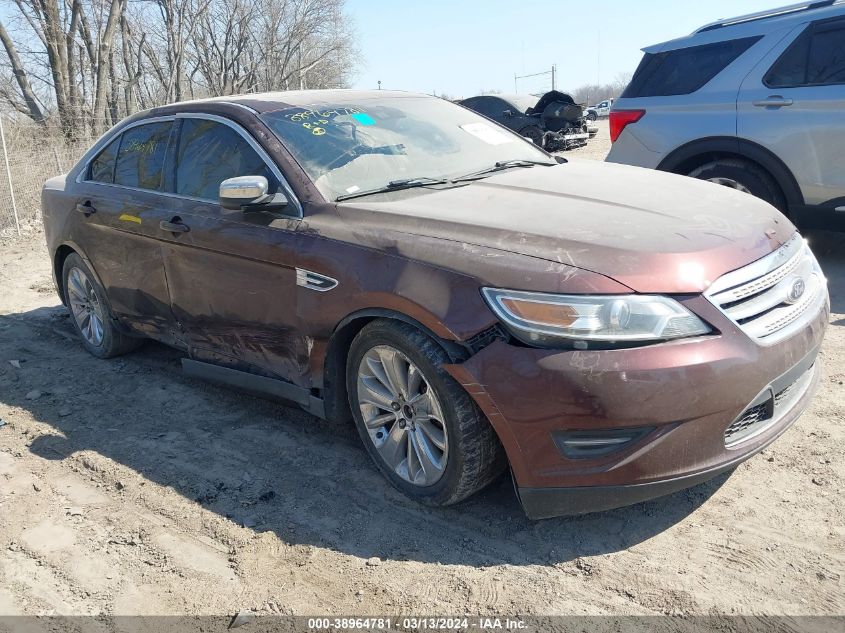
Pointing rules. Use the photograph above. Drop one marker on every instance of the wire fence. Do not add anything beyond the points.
(30, 155)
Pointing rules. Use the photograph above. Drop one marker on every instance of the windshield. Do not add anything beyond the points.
(355, 147)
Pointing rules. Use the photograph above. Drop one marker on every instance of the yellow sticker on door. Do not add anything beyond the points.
(130, 218)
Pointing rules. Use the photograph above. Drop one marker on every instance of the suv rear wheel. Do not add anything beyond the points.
(742, 175)
(422, 430)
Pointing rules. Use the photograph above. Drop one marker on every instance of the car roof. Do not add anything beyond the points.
(271, 101)
(755, 24)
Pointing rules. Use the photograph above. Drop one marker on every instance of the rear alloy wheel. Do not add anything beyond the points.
(91, 314)
(85, 307)
(422, 430)
(742, 175)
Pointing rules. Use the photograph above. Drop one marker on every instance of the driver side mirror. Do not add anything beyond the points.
(249, 193)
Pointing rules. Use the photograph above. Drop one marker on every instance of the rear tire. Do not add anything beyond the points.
(90, 311)
(742, 175)
(534, 133)
(387, 353)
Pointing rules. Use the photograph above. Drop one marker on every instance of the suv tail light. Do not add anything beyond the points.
(619, 119)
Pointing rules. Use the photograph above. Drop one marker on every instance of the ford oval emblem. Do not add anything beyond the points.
(796, 291)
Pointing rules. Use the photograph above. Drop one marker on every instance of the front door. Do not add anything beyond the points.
(231, 275)
(792, 104)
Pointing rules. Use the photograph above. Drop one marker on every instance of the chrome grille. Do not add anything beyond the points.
(774, 297)
(754, 420)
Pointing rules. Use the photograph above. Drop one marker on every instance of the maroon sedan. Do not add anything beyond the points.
(471, 303)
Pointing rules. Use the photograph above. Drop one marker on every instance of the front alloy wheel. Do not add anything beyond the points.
(420, 427)
(403, 416)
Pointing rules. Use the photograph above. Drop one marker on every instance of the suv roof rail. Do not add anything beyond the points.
(771, 13)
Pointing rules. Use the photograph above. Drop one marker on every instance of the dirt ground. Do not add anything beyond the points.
(126, 488)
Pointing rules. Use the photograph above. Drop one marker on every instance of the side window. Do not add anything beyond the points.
(209, 153)
(492, 108)
(816, 58)
(102, 167)
(141, 155)
(684, 70)
(826, 64)
(497, 107)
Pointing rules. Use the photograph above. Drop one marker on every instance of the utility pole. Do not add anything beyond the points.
(598, 59)
(553, 76)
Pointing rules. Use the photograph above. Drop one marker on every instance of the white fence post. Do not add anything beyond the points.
(9, 176)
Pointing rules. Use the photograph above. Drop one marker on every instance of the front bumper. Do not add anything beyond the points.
(688, 392)
(543, 503)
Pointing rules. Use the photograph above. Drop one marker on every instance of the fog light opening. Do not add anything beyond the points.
(598, 443)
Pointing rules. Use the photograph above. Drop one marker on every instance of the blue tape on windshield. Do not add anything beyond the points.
(363, 118)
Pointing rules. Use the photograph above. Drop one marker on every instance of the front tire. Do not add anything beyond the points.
(742, 175)
(422, 430)
(90, 311)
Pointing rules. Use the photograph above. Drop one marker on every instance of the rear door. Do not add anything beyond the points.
(792, 103)
(232, 275)
(119, 206)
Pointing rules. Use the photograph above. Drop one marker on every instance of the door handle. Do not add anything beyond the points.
(773, 102)
(174, 226)
(86, 207)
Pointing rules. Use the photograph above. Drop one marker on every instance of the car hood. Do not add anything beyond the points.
(649, 230)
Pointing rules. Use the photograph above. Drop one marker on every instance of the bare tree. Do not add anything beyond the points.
(88, 63)
(31, 105)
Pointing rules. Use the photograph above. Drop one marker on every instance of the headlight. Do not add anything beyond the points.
(546, 319)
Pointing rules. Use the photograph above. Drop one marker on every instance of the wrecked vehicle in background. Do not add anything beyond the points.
(470, 303)
(554, 121)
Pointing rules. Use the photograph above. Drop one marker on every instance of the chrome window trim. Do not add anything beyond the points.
(245, 107)
(271, 165)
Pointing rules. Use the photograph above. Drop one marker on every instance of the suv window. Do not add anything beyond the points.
(209, 153)
(141, 155)
(816, 58)
(684, 70)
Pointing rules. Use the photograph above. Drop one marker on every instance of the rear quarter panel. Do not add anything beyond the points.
(56, 212)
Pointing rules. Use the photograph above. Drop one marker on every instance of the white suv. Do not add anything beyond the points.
(600, 110)
(756, 103)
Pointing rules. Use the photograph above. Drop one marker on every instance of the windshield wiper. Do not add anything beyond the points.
(397, 185)
(505, 164)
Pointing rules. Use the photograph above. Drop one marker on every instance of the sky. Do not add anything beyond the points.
(462, 47)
